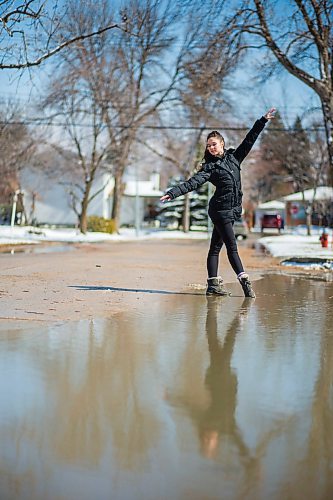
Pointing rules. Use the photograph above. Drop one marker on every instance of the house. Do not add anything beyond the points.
(47, 201)
(296, 205)
(140, 201)
(292, 207)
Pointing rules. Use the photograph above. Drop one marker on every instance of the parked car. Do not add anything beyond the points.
(272, 221)
(241, 229)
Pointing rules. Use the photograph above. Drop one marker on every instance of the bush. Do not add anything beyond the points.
(101, 225)
(5, 214)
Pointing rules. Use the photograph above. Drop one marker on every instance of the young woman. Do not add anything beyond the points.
(222, 168)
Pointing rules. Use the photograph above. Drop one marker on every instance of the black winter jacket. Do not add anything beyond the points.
(224, 173)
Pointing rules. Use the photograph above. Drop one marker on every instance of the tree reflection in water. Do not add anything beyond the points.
(232, 393)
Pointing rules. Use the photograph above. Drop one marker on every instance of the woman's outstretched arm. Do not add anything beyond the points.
(245, 147)
(185, 187)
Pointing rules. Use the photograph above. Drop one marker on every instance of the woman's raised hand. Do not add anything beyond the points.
(270, 114)
(165, 197)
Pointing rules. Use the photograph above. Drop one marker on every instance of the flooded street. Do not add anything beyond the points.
(183, 397)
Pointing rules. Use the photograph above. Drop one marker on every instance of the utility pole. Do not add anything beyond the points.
(12, 221)
(137, 202)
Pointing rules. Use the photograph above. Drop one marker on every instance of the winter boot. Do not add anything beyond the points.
(215, 287)
(246, 285)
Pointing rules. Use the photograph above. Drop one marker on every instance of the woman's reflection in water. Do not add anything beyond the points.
(218, 422)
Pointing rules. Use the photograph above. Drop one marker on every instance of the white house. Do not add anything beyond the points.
(139, 199)
(48, 201)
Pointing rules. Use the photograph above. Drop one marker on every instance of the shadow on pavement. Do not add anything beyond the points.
(135, 290)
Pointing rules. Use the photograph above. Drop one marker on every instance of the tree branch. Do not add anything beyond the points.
(60, 47)
(310, 25)
(281, 57)
(158, 153)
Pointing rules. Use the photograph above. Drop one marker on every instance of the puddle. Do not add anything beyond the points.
(38, 249)
(307, 263)
(191, 398)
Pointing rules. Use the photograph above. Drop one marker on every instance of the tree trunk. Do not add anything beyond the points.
(308, 220)
(186, 214)
(84, 209)
(116, 202)
(319, 27)
(327, 107)
(308, 210)
(33, 208)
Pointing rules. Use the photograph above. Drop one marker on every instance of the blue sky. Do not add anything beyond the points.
(282, 91)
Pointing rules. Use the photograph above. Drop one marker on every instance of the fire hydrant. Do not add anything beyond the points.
(324, 238)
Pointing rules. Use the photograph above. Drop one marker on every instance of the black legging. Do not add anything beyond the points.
(223, 233)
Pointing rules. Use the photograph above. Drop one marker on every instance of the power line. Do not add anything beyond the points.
(19, 97)
(40, 122)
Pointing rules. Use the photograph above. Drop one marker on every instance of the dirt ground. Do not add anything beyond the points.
(99, 280)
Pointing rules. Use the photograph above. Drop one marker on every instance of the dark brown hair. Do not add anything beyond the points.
(208, 156)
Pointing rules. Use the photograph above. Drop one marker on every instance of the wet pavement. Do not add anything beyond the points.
(36, 248)
(183, 397)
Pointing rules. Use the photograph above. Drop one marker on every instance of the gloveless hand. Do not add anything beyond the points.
(270, 114)
(165, 197)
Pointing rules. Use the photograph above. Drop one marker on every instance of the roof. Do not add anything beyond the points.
(322, 193)
(145, 189)
(270, 205)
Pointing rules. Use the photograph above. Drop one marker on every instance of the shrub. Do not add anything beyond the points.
(101, 225)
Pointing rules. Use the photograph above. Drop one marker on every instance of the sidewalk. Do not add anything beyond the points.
(300, 248)
(294, 244)
(31, 235)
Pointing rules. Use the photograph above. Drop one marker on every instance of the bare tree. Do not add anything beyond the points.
(319, 165)
(298, 165)
(300, 37)
(144, 84)
(180, 155)
(209, 60)
(290, 159)
(141, 82)
(268, 178)
(319, 172)
(17, 146)
(287, 158)
(203, 95)
(84, 128)
(31, 31)
(131, 76)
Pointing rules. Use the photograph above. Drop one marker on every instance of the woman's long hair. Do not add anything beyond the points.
(208, 156)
